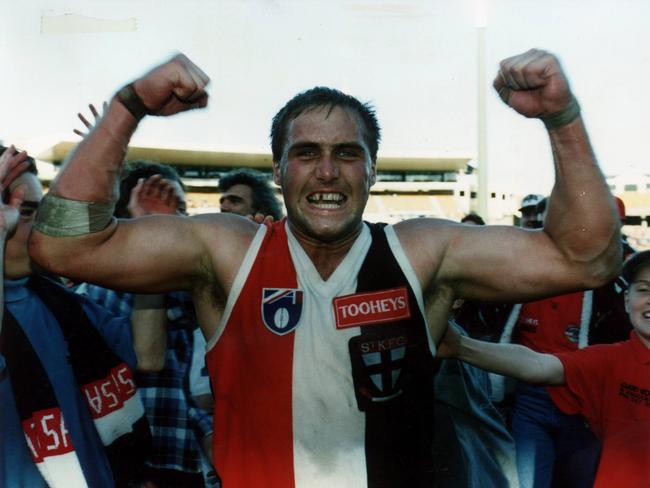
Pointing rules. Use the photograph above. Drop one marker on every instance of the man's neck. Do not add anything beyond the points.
(326, 256)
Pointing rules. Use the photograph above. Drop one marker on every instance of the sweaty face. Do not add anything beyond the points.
(238, 199)
(325, 174)
(637, 304)
(17, 262)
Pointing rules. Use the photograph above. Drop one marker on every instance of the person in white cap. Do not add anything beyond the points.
(530, 218)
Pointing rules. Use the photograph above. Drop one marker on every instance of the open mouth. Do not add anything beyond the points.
(326, 200)
(646, 315)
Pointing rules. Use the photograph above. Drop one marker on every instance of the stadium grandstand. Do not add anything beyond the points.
(406, 187)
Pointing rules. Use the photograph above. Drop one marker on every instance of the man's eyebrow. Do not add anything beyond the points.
(230, 197)
(349, 145)
(338, 145)
(303, 145)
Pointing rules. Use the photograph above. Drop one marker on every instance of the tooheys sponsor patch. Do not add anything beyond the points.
(375, 307)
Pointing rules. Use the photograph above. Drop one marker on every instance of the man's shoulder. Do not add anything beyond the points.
(228, 233)
(424, 240)
(425, 228)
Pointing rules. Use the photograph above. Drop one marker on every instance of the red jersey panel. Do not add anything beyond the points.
(249, 426)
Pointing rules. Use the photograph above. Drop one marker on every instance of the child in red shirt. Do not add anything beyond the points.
(608, 384)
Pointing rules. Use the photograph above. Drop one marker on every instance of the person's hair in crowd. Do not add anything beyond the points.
(472, 218)
(133, 171)
(264, 200)
(634, 265)
(321, 96)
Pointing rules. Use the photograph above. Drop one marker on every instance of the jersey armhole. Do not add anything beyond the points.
(238, 284)
(409, 272)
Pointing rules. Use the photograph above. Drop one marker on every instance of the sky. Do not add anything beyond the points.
(416, 61)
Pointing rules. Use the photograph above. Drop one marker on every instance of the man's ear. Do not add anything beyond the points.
(373, 172)
(277, 173)
(626, 299)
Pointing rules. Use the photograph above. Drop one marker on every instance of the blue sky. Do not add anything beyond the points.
(415, 60)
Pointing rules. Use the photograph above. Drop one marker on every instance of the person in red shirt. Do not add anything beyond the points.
(608, 384)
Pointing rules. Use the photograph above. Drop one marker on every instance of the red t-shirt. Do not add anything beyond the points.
(551, 325)
(609, 384)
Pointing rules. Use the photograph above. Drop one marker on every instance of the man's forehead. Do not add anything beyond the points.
(325, 123)
(642, 274)
(240, 190)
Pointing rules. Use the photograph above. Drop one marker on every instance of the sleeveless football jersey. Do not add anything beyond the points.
(323, 383)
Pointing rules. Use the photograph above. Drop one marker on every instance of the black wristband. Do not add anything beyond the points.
(132, 101)
(563, 117)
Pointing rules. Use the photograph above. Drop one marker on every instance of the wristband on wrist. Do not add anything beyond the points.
(563, 117)
(132, 101)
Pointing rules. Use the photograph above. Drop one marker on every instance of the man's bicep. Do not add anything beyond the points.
(497, 263)
(148, 255)
(507, 264)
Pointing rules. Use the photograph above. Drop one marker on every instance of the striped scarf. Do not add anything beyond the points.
(106, 384)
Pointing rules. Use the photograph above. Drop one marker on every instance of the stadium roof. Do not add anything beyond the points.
(188, 157)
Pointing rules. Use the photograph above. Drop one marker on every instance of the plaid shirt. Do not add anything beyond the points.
(116, 302)
(177, 424)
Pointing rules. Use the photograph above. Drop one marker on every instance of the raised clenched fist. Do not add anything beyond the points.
(533, 84)
(175, 86)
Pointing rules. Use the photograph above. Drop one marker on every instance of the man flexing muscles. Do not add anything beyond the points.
(321, 328)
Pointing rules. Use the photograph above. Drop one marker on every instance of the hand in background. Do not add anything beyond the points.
(86, 122)
(12, 164)
(155, 195)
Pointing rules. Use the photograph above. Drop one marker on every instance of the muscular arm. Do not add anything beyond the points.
(579, 245)
(151, 254)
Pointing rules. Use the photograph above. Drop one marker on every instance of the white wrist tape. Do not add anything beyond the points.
(61, 217)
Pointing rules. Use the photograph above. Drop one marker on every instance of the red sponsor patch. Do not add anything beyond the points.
(374, 307)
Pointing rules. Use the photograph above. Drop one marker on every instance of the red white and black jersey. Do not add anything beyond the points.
(323, 383)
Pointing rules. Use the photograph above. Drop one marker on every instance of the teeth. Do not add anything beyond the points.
(646, 315)
(326, 200)
(331, 197)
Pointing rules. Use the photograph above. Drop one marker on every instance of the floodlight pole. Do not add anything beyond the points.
(481, 157)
